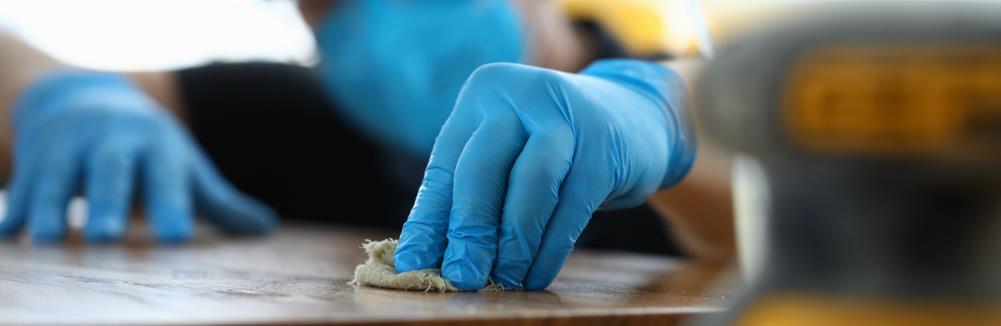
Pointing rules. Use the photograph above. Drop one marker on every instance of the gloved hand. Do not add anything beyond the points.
(529, 154)
(395, 67)
(99, 133)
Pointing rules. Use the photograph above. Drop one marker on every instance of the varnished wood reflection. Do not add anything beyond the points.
(299, 276)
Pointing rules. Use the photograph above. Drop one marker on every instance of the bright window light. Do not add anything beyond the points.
(160, 34)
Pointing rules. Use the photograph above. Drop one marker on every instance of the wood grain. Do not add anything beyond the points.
(299, 276)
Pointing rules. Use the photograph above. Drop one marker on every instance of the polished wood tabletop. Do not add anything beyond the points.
(299, 275)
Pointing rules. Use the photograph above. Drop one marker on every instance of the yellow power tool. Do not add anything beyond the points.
(878, 128)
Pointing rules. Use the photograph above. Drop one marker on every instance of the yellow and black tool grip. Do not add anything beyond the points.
(865, 81)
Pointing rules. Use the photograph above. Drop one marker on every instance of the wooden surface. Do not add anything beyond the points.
(299, 275)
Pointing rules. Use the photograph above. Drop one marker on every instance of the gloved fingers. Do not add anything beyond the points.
(225, 206)
(481, 178)
(110, 178)
(423, 239)
(166, 191)
(55, 183)
(17, 198)
(533, 191)
(578, 200)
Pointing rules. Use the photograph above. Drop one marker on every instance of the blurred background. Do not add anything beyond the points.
(838, 233)
(160, 34)
(170, 34)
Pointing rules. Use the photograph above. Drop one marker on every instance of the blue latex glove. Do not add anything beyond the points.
(396, 67)
(529, 154)
(99, 133)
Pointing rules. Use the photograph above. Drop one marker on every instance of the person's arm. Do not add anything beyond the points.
(529, 154)
(68, 129)
(163, 87)
(700, 207)
(19, 65)
(555, 43)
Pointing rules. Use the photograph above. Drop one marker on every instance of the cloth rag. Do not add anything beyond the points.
(380, 271)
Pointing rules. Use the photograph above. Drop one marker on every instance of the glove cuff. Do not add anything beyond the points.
(662, 85)
(47, 93)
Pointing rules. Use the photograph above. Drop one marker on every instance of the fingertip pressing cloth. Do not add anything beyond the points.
(380, 271)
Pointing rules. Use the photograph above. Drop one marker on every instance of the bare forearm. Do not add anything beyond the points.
(162, 87)
(700, 209)
(20, 63)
